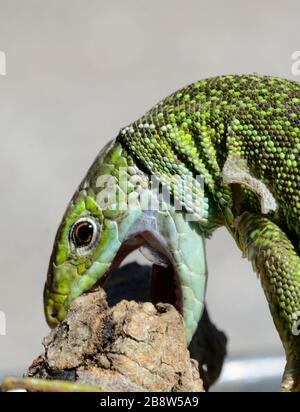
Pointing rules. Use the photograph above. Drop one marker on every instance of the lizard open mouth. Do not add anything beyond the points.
(164, 285)
(164, 281)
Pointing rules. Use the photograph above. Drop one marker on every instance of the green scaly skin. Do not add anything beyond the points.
(242, 135)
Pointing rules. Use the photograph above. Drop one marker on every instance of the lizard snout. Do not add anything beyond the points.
(54, 307)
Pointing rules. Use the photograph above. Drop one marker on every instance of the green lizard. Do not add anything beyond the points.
(226, 151)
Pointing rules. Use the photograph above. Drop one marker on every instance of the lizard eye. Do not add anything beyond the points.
(84, 234)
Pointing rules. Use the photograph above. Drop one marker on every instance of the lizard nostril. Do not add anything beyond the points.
(53, 313)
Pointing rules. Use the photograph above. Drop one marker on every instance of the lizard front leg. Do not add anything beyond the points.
(274, 258)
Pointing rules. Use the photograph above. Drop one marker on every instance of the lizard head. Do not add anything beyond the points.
(88, 243)
(108, 218)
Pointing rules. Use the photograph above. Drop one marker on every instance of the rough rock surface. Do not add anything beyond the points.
(129, 347)
(208, 346)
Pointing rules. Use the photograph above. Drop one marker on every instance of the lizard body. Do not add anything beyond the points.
(241, 135)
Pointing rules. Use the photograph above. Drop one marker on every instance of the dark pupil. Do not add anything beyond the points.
(83, 233)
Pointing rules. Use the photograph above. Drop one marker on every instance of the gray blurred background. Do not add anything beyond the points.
(77, 71)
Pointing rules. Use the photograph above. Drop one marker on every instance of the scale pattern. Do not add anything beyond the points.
(194, 130)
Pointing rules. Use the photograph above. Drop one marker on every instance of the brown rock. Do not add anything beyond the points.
(129, 347)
